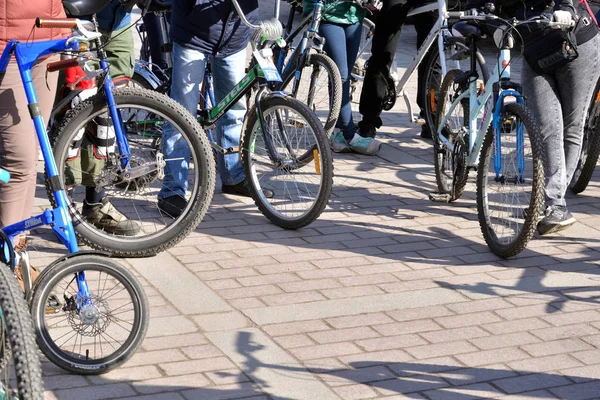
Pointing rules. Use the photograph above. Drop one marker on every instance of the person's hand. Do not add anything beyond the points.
(562, 17)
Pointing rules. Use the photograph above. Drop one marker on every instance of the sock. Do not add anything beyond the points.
(93, 197)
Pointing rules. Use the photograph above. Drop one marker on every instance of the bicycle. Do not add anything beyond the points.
(82, 300)
(490, 129)
(436, 57)
(294, 148)
(308, 59)
(107, 144)
(19, 359)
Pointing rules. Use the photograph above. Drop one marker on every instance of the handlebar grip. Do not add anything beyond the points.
(62, 64)
(4, 176)
(69, 23)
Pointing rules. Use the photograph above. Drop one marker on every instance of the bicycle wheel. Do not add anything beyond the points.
(320, 88)
(89, 334)
(131, 194)
(289, 154)
(509, 203)
(450, 166)
(20, 366)
(434, 79)
(590, 146)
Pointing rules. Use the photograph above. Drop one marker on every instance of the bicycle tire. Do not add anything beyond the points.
(590, 146)
(450, 179)
(433, 82)
(530, 215)
(252, 161)
(201, 194)
(318, 61)
(21, 337)
(68, 360)
(140, 81)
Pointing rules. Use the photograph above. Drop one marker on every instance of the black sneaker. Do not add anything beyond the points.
(242, 189)
(367, 130)
(557, 218)
(173, 206)
(105, 216)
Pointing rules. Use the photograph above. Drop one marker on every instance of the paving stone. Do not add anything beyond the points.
(295, 327)
(507, 340)
(355, 392)
(352, 321)
(128, 374)
(528, 324)
(580, 391)
(419, 313)
(324, 350)
(165, 326)
(416, 383)
(530, 382)
(475, 391)
(222, 321)
(292, 298)
(195, 366)
(479, 306)
(556, 347)
(543, 364)
(109, 391)
(488, 357)
(293, 341)
(457, 321)
(566, 331)
(314, 284)
(356, 291)
(199, 352)
(391, 342)
(367, 359)
(449, 335)
(441, 349)
(223, 392)
(343, 335)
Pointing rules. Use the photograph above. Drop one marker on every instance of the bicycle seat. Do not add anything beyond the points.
(156, 5)
(82, 8)
(467, 30)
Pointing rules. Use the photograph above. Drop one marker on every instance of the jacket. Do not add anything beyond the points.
(113, 17)
(17, 18)
(585, 27)
(339, 13)
(212, 26)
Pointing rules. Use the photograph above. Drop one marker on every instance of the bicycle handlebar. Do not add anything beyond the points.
(477, 16)
(68, 23)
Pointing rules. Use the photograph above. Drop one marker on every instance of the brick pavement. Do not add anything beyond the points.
(387, 295)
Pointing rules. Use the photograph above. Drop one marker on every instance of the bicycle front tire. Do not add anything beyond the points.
(139, 198)
(290, 155)
(508, 220)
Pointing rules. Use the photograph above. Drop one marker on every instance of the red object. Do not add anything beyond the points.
(72, 74)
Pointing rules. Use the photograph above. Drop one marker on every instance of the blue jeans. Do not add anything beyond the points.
(341, 44)
(188, 71)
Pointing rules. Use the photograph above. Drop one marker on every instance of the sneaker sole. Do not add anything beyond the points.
(557, 227)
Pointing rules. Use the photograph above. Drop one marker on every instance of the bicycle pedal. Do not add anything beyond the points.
(439, 197)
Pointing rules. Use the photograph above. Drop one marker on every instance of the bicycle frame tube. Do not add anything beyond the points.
(26, 56)
(234, 95)
(290, 39)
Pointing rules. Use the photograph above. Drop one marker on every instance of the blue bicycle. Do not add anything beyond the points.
(90, 314)
(489, 128)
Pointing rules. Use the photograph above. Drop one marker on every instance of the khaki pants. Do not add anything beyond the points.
(18, 140)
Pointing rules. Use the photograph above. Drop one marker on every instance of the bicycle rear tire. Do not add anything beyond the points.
(319, 62)
(21, 337)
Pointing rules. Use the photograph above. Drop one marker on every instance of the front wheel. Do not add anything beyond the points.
(169, 156)
(90, 314)
(288, 157)
(510, 182)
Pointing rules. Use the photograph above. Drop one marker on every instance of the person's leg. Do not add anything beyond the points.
(423, 24)
(188, 72)
(576, 92)
(227, 72)
(383, 48)
(18, 140)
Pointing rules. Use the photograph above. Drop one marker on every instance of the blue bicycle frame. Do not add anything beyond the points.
(26, 54)
(491, 112)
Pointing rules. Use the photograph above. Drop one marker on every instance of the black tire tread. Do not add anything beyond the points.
(325, 153)
(196, 214)
(537, 191)
(336, 86)
(21, 335)
(72, 265)
(592, 132)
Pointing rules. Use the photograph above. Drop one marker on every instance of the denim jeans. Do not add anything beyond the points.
(559, 103)
(188, 72)
(341, 44)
